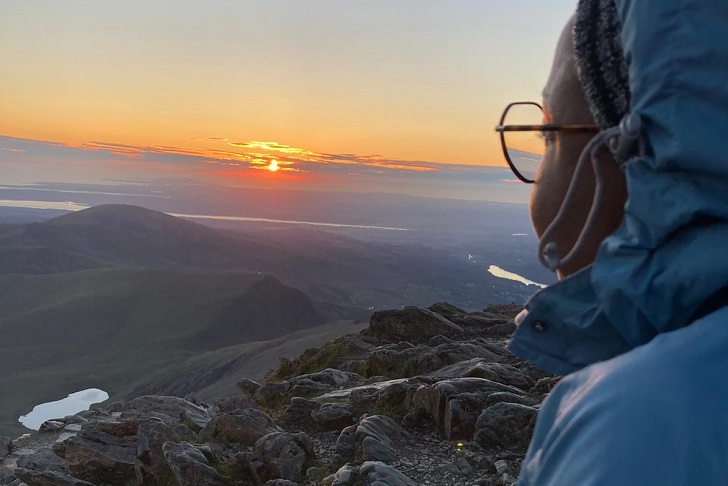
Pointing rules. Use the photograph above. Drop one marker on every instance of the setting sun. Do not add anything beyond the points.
(273, 166)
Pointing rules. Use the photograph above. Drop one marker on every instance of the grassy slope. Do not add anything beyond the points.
(115, 328)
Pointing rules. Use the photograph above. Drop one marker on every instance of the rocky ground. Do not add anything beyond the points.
(420, 397)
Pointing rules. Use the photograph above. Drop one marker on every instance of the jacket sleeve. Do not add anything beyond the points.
(655, 415)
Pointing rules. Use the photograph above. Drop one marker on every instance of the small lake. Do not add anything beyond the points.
(500, 273)
(72, 404)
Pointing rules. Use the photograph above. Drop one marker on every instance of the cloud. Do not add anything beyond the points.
(248, 162)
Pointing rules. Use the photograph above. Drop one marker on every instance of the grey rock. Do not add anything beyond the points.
(189, 465)
(507, 479)
(43, 459)
(171, 410)
(498, 372)
(284, 455)
(380, 474)
(437, 340)
(245, 426)
(465, 468)
(484, 481)
(101, 452)
(51, 425)
(48, 478)
(331, 377)
(345, 444)
(151, 436)
(316, 474)
(384, 429)
(334, 416)
(410, 324)
(7, 475)
(502, 467)
(499, 397)
(545, 385)
(299, 410)
(457, 419)
(280, 482)
(375, 450)
(505, 425)
(344, 475)
(447, 310)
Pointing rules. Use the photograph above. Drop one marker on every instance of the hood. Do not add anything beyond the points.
(669, 258)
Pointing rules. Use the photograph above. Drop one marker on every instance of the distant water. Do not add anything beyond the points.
(285, 221)
(72, 206)
(64, 205)
(72, 404)
(500, 273)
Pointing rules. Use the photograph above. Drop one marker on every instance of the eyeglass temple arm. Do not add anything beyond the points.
(546, 128)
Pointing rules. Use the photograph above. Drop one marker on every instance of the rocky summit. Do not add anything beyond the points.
(420, 397)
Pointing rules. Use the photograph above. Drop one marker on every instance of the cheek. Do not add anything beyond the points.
(546, 194)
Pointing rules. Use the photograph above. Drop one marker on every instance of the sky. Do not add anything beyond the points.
(321, 94)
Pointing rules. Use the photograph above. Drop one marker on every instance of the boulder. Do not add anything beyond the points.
(380, 474)
(330, 377)
(412, 324)
(334, 416)
(152, 435)
(382, 428)
(299, 410)
(7, 474)
(447, 310)
(189, 465)
(171, 410)
(499, 397)
(48, 478)
(481, 368)
(386, 435)
(505, 425)
(245, 426)
(545, 385)
(345, 443)
(280, 482)
(52, 425)
(454, 404)
(43, 459)
(375, 450)
(102, 452)
(396, 360)
(283, 455)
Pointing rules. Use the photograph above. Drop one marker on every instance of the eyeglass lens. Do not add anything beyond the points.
(525, 149)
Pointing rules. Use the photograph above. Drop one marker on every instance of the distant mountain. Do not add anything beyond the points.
(328, 267)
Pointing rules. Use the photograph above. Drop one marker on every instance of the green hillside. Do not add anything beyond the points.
(115, 328)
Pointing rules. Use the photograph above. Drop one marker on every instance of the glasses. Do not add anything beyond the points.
(522, 135)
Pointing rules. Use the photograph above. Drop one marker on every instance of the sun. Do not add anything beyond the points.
(273, 166)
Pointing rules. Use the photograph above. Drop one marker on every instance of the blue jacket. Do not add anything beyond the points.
(643, 332)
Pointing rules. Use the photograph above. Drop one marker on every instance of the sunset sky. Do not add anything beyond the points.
(218, 88)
